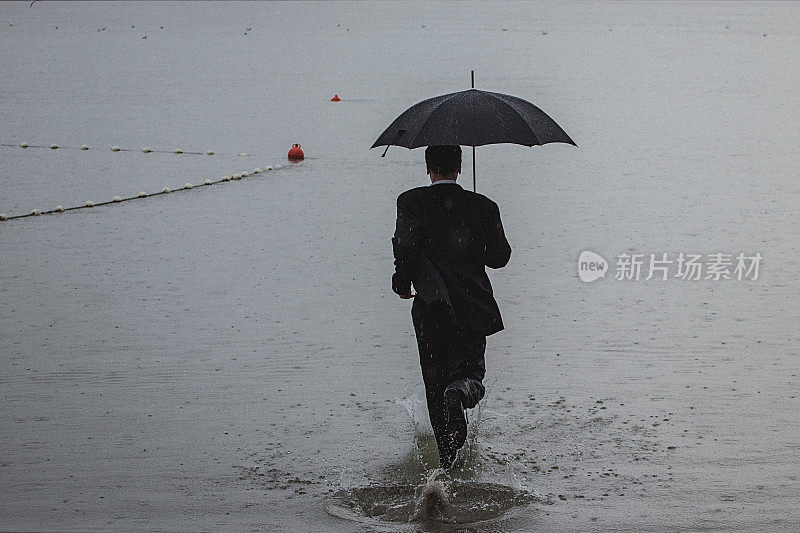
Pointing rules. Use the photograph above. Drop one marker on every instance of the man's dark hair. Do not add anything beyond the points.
(443, 159)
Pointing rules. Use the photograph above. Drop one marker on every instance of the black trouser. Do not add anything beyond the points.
(450, 358)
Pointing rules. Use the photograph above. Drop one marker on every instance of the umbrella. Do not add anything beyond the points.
(472, 118)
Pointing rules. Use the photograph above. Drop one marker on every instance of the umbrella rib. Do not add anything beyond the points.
(436, 107)
(519, 114)
(493, 103)
(513, 105)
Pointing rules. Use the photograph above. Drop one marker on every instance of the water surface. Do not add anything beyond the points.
(232, 357)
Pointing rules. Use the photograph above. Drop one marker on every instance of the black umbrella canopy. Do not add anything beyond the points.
(472, 118)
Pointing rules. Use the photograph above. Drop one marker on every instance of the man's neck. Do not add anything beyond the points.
(445, 178)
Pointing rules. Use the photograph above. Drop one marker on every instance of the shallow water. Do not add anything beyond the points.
(230, 357)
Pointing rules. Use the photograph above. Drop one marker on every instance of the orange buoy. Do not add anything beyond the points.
(336, 98)
(296, 153)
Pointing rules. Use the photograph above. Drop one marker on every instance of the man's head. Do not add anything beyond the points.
(443, 162)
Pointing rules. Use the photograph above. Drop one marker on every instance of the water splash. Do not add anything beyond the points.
(349, 478)
(433, 502)
(417, 410)
(423, 494)
(441, 500)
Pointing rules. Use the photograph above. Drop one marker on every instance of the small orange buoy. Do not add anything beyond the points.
(296, 153)
(336, 98)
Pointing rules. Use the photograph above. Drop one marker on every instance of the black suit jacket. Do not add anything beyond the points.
(444, 238)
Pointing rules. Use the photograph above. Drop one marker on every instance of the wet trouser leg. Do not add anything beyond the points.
(449, 359)
(468, 367)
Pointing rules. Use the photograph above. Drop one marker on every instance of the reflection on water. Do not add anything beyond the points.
(417, 491)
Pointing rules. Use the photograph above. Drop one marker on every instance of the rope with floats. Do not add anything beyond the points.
(145, 150)
(118, 199)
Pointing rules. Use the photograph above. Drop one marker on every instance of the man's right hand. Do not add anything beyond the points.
(401, 286)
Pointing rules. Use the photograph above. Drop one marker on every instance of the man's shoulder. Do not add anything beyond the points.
(411, 195)
(417, 195)
(480, 199)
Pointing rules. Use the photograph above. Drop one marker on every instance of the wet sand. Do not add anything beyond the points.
(232, 357)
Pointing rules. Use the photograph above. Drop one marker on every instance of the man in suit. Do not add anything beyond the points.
(444, 238)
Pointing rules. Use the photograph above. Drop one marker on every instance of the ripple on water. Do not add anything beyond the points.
(389, 507)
